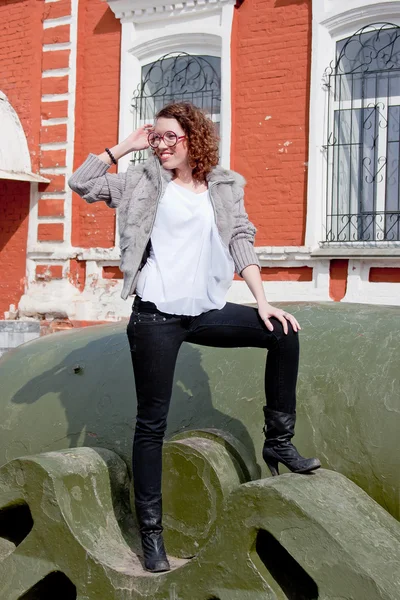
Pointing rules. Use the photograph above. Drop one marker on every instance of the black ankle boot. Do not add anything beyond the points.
(149, 516)
(279, 430)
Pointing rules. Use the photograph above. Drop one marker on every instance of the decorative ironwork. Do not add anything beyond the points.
(363, 137)
(365, 225)
(177, 77)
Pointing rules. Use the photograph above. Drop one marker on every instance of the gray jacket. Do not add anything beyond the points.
(135, 195)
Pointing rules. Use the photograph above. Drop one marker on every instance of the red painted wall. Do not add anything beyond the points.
(20, 64)
(271, 53)
(20, 79)
(97, 112)
(14, 211)
(384, 275)
(338, 273)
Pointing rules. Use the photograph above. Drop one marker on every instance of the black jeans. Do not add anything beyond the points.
(155, 338)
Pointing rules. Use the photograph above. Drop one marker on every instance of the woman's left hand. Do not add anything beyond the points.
(266, 311)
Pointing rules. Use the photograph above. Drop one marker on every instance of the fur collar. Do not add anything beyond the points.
(153, 169)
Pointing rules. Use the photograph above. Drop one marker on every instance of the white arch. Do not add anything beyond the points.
(15, 161)
(192, 43)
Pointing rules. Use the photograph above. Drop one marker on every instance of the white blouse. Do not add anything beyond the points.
(189, 270)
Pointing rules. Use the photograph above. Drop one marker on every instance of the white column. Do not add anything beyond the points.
(130, 79)
(226, 104)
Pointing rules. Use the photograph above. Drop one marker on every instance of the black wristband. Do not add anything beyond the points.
(110, 154)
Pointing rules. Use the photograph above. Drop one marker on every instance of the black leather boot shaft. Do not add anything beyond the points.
(278, 448)
(149, 516)
(279, 426)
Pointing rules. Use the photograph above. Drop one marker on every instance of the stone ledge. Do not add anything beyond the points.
(19, 327)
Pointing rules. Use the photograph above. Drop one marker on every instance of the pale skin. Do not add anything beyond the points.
(176, 159)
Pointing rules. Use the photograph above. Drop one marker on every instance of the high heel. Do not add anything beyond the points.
(272, 464)
(149, 515)
(278, 448)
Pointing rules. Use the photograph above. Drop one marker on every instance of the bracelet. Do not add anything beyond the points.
(110, 154)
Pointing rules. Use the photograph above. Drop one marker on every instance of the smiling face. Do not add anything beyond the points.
(175, 157)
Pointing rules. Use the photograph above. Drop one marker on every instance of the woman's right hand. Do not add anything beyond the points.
(137, 140)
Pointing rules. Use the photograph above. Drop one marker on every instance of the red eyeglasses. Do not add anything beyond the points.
(169, 138)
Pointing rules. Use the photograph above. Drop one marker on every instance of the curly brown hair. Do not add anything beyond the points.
(201, 133)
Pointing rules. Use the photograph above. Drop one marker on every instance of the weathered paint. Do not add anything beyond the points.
(316, 536)
(77, 389)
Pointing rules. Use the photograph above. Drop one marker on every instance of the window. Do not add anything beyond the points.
(363, 137)
(178, 77)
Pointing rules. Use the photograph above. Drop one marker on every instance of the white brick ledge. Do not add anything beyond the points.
(54, 97)
(50, 221)
(56, 47)
(54, 146)
(362, 250)
(54, 170)
(55, 121)
(55, 72)
(50, 23)
(52, 195)
(154, 10)
(267, 254)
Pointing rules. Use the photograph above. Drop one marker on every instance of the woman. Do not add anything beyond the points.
(183, 233)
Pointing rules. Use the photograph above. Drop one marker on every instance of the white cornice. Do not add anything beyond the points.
(338, 22)
(140, 11)
(190, 42)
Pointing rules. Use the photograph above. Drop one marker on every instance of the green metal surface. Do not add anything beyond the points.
(67, 528)
(294, 536)
(76, 388)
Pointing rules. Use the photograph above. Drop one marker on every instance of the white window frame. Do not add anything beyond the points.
(332, 22)
(151, 29)
(149, 32)
(194, 44)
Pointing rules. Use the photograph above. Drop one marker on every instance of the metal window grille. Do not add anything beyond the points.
(177, 77)
(363, 137)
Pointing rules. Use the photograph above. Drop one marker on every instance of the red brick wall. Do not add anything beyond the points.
(21, 32)
(271, 52)
(14, 211)
(20, 79)
(288, 274)
(384, 275)
(97, 112)
(338, 272)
